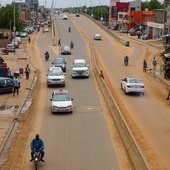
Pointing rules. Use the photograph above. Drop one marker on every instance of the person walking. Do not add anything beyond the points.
(168, 97)
(16, 84)
(144, 65)
(59, 42)
(154, 63)
(27, 71)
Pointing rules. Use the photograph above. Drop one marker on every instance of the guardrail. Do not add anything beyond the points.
(135, 154)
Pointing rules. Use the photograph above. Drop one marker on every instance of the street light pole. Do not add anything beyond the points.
(14, 28)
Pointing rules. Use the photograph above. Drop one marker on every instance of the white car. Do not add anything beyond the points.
(97, 37)
(65, 17)
(55, 76)
(132, 84)
(61, 101)
(80, 68)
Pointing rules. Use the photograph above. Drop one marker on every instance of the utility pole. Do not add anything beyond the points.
(14, 28)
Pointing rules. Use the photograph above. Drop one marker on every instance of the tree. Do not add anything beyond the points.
(7, 17)
(151, 5)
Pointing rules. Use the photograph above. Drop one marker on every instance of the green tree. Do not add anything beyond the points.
(151, 5)
(7, 17)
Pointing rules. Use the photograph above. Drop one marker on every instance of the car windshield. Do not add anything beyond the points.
(135, 81)
(55, 73)
(66, 48)
(59, 61)
(61, 97)
(79, 65)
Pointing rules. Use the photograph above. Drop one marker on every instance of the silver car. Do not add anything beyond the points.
(65, 49)
(55, 76)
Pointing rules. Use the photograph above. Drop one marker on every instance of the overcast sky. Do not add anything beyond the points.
(64, 3)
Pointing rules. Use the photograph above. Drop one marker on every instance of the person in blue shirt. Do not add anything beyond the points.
(16, 84)
(37, 144)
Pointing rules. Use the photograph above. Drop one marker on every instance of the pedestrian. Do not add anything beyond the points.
(168, 96)
(16, 84)
(59, 42)
(29, 39)
(101, 74)
(144, 65)
(154, 63)
(27, 71)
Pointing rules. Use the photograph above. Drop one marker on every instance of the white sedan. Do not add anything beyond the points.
(97, 37)
(132, 84)
(61, 101)
(65, 17)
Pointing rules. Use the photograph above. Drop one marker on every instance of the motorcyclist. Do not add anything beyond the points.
(37, 144)
(47, 55)
(71, 45)
(69, 29)
(126, 59)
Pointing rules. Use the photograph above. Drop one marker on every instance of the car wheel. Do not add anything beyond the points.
(125, 91)
(121, 86)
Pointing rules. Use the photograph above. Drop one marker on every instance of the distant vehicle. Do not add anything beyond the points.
(146, 37)
(59, 62)
(6, 85)
(65, 49)
(55, 76)
(19, 39)
(132, 84)
(61, 101)
(10, 47)
(77, 15)
(23, 34)
(123, 30)
(97, 37)
(46, 30)
(80, 68)
(65, 17)
(15, 43)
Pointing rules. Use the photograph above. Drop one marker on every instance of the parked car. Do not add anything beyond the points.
(19, 39)
(6, 85)
(97, 37)
(61, 101)
(123, 30)
(23, 34)
(59, 62)
(55, 76)
(132, 84)
(65, 49)
(10, 47)
(146, 37)
(80, 68)
(15, 43)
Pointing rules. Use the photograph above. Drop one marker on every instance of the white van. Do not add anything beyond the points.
(80, 68)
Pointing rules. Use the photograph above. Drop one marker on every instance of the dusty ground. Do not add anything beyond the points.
(29, 121)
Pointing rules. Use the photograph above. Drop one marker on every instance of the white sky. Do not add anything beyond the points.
(65, 3)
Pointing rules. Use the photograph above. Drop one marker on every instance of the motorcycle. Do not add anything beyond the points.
(126, 61)
(37, 158)
(69, 29)
(47, 57)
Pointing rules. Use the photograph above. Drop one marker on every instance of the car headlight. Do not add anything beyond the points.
(69, 106)
(54, 107)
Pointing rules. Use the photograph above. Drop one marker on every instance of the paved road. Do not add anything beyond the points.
(7, 116)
